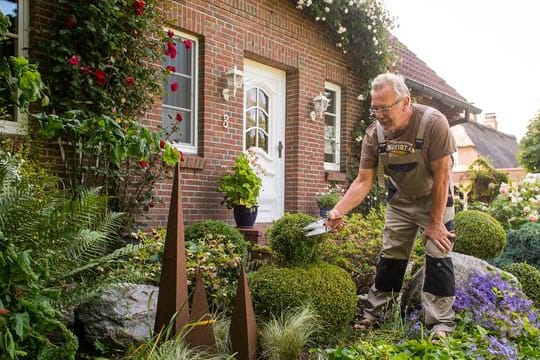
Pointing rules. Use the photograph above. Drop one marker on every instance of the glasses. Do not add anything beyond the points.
(383, 109)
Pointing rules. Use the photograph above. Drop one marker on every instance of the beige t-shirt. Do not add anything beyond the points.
(438, 139)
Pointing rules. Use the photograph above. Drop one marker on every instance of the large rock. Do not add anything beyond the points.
(464, 266)
(122, 315)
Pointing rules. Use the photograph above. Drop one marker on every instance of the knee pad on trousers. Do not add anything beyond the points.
(390, 274)
(439, 279)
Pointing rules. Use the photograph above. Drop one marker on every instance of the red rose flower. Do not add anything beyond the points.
(162, 144)
(188, 44)
(130, 81)
(151, 204)
(74, 60)
(171, 68)
(174, 86)
(86, 69)
(170, 33)
(139, 6)
(71, 21)
(100, 77)
(144, 164)
(179, 117)
(182, 157)
(4, 312)
(171, 50)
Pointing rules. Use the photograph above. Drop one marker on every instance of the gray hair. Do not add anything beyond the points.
(394, 81)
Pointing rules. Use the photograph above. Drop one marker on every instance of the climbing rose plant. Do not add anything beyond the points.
(103, 60)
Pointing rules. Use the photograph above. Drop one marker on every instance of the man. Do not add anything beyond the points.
(412, 144)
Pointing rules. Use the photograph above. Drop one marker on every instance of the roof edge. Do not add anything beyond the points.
(442, 97)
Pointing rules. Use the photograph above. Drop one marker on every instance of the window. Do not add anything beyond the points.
(332, 124)
(257, 115)
(182, 102)
(11, 120)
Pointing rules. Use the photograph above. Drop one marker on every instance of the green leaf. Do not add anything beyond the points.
(22, 324)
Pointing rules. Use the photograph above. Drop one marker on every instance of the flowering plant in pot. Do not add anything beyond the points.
(242, 184)
(327, 199)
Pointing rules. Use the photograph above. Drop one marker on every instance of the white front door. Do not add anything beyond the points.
(264, 131)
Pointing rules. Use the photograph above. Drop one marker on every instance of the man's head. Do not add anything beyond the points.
(390, 100)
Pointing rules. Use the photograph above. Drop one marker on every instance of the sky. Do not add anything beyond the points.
(488, 50)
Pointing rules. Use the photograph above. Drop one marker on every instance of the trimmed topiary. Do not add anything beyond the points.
(201, 230)
(288, 239)
(529, 278)
(478, 234)
(329, 289)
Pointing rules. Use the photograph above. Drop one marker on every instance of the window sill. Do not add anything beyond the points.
(192, 162)
(335, 176)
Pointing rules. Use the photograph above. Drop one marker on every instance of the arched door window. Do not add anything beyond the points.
(257, 119)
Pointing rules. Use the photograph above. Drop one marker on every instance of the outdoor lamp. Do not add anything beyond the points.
(235, 79)
(320, 102)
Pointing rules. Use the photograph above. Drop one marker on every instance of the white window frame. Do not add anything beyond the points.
(20, 124)
(335, 166)
(193, 147)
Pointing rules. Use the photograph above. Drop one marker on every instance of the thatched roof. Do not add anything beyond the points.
(501, 148)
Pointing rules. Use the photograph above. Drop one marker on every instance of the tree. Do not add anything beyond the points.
(529, 146)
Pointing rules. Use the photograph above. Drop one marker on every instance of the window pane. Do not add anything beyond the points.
(180, 131)
(182, 96)
(263, 140)
(9, 8)
(331, 95)
(7, 107)
(251, 98)
(263, 120)
(263, 101)
(7, 48)
(183, 58)
(251, 120)
(251, 138)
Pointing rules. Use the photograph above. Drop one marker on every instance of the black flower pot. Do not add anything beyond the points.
(245, 217)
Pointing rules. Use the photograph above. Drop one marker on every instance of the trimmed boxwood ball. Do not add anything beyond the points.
(529, 278)
(216, 227)
(478, 234)
(289, 241)
(329, 289)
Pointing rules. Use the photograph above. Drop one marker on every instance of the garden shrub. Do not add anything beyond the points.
(478, 234)
(486, 180)
(217, 227)
(356, 247)
(214, 254)
(522, 245)
(327, 288)
(290, 243)
(529, 278)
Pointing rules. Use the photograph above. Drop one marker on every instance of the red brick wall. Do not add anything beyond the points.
(273, 33)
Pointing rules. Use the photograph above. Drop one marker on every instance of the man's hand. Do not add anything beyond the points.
(440, 236)
(334, 221)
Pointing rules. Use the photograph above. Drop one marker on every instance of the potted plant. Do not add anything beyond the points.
(241, 187)
(328, 198)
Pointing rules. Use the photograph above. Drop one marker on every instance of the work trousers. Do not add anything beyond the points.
(403, 219)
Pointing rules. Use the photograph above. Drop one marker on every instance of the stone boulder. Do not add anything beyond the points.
(122, 315)
(464, 266)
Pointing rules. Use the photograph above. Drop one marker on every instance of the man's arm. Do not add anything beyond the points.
(356, 193)
(436, 231)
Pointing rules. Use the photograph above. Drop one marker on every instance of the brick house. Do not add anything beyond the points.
(286, 59)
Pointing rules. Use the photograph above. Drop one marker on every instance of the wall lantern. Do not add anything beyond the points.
(320, 102)
(235, 80)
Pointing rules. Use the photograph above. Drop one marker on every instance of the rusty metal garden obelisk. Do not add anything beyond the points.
(243, 330)
(173, 290)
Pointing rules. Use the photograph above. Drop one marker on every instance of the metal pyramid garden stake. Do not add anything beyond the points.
(173, 290)
(200, 328)
(243, 330)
